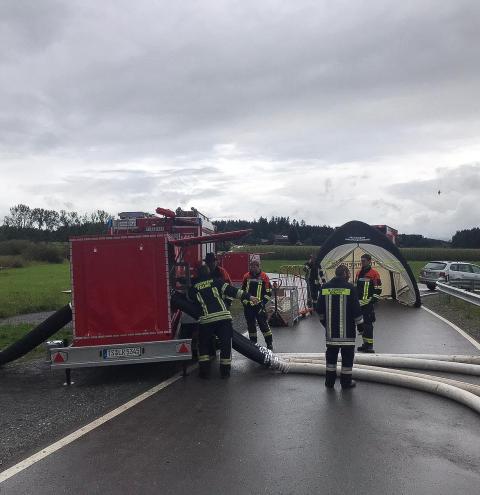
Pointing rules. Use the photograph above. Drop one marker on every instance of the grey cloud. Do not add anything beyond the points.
(275, 78)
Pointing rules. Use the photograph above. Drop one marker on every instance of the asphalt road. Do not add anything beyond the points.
(263, 432)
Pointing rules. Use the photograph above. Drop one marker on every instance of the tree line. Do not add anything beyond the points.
(264, 230)
(40, 224)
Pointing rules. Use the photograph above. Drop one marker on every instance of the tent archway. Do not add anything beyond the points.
(347, 244)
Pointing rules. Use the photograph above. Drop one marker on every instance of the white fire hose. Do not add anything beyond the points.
(465, 393)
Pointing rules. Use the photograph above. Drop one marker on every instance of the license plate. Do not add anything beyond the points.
(121, 352)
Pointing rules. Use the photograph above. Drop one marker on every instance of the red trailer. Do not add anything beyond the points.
(121, 287)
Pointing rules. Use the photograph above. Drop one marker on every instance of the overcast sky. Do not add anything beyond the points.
(321, 110)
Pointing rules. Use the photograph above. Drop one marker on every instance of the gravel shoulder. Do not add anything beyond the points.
(37, 409)
(463, 314)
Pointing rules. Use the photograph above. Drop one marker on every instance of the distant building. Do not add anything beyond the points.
(280, 239)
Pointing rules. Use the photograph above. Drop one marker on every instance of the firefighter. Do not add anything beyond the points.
(369, 288)
(315, 278)
(215, 319)
(339, 311)
(220, 273)
(257, 283)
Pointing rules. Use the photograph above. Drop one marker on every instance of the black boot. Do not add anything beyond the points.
(346, 381)
(330, 378)
(204, 369)
(225, 370)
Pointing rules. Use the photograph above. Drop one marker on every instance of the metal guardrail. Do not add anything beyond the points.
(472, 285)
(463, 294)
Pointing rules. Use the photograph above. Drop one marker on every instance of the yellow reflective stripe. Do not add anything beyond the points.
(219, 299)
(335, 292)
(365, 290)
(329, 318)
(225, 361)
(259, 290)
(367, 340)
(364, 302)
(220, 315)
(202, 302)
(204, 357)
(267, 334)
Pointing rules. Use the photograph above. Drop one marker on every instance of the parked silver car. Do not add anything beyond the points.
(457, 273)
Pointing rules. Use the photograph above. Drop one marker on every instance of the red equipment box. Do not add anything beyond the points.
(237, 264)
(120, 289)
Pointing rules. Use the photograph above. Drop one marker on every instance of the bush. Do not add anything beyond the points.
(11, 262)
(43, 252)
(14, 247)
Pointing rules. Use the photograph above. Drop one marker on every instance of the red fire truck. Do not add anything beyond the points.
(121, 287)
(390, 232)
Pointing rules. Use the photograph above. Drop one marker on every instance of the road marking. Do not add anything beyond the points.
(17, 468)
(458, 329)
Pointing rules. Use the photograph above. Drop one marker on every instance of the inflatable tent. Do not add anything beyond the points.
(347, 244)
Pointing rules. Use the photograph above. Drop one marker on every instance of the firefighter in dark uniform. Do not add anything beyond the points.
(257, 284)
(218, 272)
(369, 288)
(315, 278)
(215, 318)
(339, 311)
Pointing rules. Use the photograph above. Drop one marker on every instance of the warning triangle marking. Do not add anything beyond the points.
(183, 349)
(58, 358)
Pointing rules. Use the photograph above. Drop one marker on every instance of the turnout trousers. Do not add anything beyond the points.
(331, 356)
(222, 329)
(254, 314)
(313, 292)
(368, 312)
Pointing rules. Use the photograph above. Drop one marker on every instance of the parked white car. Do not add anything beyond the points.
(457, 273)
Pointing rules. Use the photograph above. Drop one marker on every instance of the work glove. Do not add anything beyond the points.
(360, 328)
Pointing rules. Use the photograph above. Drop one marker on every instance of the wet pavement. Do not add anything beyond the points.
(263, 432)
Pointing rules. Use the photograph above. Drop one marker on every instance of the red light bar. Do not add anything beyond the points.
(223, 236)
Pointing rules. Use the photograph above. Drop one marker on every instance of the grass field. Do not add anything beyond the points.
(38, 288)
(33, 288)
(291, 253)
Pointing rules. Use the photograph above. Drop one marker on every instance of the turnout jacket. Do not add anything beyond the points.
(222, 274)
(313, 273)
(258, 286)
(209, 294)
(339, 311)
(369, 285)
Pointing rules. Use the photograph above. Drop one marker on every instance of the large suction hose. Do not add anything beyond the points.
(38, 335)
(240, 343)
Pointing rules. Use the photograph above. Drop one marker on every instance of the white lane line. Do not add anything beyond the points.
(5, 475)
(458, 329)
